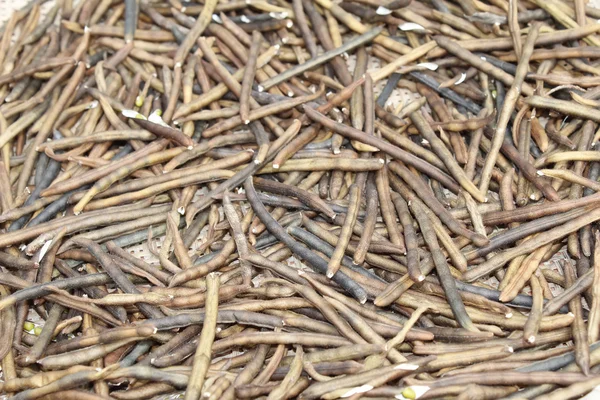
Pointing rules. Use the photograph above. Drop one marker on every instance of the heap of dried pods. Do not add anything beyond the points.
(266, 128)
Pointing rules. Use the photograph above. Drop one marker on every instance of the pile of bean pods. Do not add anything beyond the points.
(311, 237)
